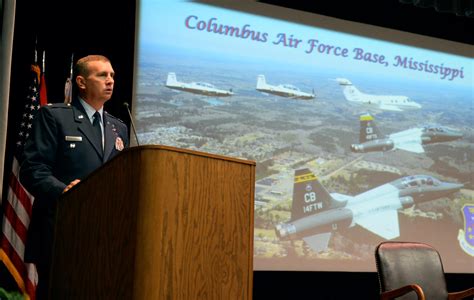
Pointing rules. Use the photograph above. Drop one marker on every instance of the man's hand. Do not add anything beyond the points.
(73, 183)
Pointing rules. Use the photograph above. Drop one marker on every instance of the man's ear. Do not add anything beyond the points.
(81, 82)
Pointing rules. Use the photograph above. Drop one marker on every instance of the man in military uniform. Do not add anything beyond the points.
(67, 143)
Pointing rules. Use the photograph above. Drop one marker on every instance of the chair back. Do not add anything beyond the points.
(403, 263)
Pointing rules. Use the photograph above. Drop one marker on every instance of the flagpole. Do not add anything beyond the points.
(43, 66)
(6, 33)
(36, 50)
(72, 65)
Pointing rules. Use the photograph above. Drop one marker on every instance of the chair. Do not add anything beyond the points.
(412, 271)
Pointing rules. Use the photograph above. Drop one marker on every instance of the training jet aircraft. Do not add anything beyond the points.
(316, 213)
(201, 88)
(370, 138)
(382, 102)
(283, 90)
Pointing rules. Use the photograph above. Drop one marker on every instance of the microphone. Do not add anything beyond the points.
(131, 122)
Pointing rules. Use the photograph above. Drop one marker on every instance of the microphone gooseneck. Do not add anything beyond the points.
(131, 122)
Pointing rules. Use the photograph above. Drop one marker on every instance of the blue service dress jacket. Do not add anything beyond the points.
(62, 147)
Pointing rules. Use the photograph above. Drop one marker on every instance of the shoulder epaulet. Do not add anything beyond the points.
(58, 105)
(113, 117)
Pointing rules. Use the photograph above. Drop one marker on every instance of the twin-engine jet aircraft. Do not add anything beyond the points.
(201, 88)
(283, 90)
(370, 138)
(381, 102)
(316, 213)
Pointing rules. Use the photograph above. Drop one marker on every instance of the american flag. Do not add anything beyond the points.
(43, 93)
(18, 207)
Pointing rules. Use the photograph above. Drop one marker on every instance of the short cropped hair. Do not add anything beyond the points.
(81, 65)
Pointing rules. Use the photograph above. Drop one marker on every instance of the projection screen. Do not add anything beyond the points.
(361, 134)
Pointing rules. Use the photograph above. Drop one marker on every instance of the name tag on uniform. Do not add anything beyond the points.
(70, 138)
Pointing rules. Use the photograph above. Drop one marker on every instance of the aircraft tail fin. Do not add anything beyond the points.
(171, 80)
(350, 91)
(261, 82)
(309, 195)
(368, 130)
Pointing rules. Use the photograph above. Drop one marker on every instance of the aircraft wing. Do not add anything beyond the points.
(389, 107)
(412, 147)
(384, 223)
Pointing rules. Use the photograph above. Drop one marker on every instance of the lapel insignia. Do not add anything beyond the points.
(118, 144)
(80, 117)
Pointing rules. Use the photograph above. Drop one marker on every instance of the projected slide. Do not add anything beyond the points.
(356, 140)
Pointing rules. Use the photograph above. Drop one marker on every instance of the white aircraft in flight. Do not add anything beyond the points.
(412, 140)
(201, 88)
(283, 90)
(382, 102)
(316, 213)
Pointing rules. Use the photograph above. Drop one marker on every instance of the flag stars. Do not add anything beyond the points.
(30, 108)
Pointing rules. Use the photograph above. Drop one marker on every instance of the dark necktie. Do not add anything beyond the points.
(97, 130)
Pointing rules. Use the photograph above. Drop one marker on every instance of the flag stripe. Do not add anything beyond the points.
(12, 253)
(31, 281)
(12, 217)
(15, 171)
(21, 195)
(19, 210)
(16, 245)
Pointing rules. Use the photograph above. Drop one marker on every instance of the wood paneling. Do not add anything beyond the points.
(157, 223)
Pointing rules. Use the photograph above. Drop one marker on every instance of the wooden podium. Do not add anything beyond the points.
(157, 222)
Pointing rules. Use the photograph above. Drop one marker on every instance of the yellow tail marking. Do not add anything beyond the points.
(305, 177)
